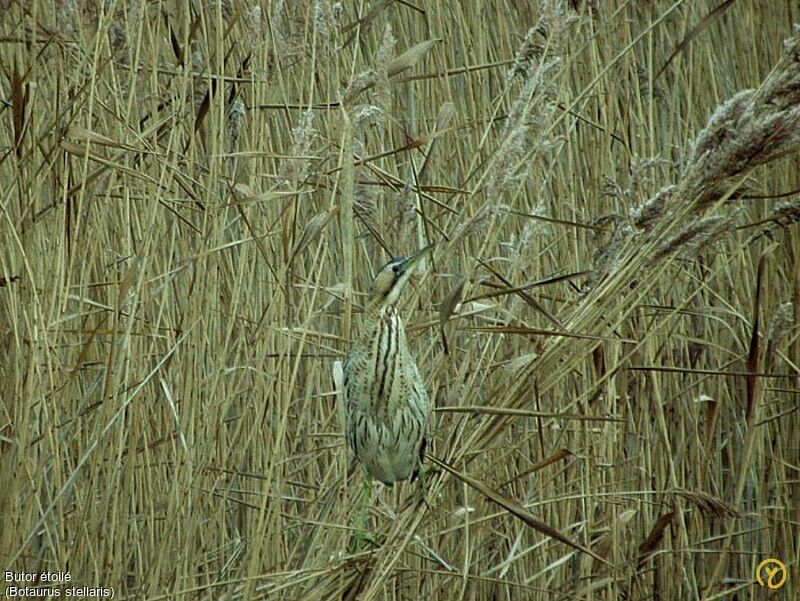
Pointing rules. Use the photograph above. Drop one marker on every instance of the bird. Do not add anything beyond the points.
(386, 405)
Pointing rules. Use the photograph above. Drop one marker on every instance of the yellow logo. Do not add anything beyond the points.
(775, 572)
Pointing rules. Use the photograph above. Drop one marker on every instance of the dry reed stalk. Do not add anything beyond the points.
(168, 424)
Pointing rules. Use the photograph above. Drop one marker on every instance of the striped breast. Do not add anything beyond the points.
(385, 401)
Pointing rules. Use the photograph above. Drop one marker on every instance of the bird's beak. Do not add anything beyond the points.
(411, 261)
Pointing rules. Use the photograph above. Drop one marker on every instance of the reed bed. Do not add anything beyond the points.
(194, 197)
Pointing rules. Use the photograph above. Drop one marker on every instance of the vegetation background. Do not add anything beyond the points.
(194, 196)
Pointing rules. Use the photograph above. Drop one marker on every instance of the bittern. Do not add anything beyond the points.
(386, 405)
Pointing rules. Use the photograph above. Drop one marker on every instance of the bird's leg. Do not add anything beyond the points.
(420, 495)
(362, 534)
(366, 500)
(421, 480)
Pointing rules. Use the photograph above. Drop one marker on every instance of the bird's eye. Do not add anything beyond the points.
(396, 268)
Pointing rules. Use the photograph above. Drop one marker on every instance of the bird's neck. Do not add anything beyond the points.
(378, 309)
(377, 315)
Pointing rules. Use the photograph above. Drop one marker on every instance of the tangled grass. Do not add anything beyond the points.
(193, 198)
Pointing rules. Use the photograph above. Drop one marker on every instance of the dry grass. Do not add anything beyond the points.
(192, 201)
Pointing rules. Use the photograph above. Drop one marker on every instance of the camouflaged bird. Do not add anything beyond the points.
(387, 410)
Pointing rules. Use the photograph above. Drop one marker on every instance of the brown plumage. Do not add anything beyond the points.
(386, 405)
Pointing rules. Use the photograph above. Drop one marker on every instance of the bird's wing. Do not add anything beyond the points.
(421, 392)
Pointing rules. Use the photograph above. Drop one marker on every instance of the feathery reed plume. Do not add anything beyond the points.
(367, 114)
(782, 320)
(279, 24)
(386, 65)
(605, 258)
(326, 26)
(377, 77)
(696, 236)
(520, 243)
(786, 213)
(750, 129)
(236, 115)
(481, 221)
(364, 206)
(200, 82)
(294, 170)
(404, 205)
(648, 213)
(539, 65)
(643, 175)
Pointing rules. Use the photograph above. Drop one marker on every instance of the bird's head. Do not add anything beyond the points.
(392, 278)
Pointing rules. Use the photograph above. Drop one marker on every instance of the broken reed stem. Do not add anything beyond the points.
(346, 220)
